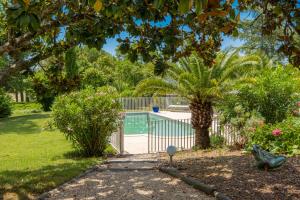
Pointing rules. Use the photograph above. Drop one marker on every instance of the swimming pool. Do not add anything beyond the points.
(137, 124)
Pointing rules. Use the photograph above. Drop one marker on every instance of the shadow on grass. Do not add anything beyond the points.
(22, 124)
(26, 183)
(239, 178)
(77, 154)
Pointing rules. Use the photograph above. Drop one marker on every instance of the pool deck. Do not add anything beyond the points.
(137, 144)
(173, 115)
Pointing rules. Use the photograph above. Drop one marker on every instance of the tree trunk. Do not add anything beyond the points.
(16, 97)
(22, 96)
(201, 121)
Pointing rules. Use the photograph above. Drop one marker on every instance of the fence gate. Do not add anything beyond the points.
(117, 138)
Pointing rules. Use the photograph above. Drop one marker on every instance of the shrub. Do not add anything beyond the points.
(45, 95)
(5, 104)
(87, 118)
(272, 94)
(283, 137)
(217, 141)
(93, 77)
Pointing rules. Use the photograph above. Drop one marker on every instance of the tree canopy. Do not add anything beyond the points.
(33, 30)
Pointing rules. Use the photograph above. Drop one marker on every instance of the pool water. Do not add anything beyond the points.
(137, 123)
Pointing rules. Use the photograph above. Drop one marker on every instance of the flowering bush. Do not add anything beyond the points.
(88, 118)
(276, 132)
(283, 137)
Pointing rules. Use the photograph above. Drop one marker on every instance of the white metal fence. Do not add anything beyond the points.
(146, 103)
(180, 133)
(230, 134)
(162, 133)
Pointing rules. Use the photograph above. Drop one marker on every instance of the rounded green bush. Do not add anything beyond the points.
(88, 118)
(283, 137)
(5, 104)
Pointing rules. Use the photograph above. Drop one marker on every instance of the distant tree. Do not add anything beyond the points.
(58, 75)
(99, 68)
(5, 104)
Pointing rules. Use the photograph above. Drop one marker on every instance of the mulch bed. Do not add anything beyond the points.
(236, 175)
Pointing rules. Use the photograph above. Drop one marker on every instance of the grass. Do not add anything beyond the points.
(34, 159)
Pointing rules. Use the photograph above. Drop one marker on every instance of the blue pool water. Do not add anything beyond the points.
(137, 123)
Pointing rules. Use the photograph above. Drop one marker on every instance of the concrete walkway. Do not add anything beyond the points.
(132, 177)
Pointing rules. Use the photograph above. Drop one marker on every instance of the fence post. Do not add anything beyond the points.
(148, 121)
(122, 135)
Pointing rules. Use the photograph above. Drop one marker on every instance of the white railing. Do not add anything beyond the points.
(146, 103)
(227, 131)
(117, 138)
(162, 133)
(179, 133)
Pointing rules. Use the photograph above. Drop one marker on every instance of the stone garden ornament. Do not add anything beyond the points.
(266, 160)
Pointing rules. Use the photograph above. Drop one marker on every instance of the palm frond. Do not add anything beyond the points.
(191, 78)
(155, 85)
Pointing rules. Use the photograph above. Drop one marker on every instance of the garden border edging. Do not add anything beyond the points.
(195, 183)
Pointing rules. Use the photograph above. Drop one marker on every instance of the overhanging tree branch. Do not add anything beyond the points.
(9, 47)
(21, 65)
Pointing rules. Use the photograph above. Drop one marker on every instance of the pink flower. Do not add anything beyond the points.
(298, 103)
(276, 132)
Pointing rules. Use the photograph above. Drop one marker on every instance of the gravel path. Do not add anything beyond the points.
(133, 178)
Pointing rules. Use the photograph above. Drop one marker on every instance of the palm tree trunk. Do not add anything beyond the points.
(201, 121)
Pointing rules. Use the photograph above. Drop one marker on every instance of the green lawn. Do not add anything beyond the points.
(34, 160)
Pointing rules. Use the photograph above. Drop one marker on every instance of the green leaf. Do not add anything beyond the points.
(198, 5)
(158, 3)
(184, 6)
(14, 13)
(232, 14)
(204, 3)
(235, 33)
(34, 22)
(24, 20)
(277, 10)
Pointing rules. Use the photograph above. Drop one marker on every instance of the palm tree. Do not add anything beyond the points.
(201, 85)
